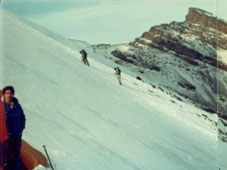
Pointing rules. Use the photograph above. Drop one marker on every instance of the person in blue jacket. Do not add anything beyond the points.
(15, 120)
(84, 57)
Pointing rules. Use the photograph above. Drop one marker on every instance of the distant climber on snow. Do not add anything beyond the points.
(84, 57)
(118, 74)
(15, 121)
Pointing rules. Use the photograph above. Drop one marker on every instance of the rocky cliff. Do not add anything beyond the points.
(198, 38)
(183, 57)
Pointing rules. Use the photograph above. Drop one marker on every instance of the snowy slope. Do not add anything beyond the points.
(182, 74)
(88, 121)
(222, 55)
(181, 56)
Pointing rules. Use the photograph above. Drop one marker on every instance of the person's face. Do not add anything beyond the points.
(8, 96)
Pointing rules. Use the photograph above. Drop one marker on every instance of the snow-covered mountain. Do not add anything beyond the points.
(88, 121)
(182, 57)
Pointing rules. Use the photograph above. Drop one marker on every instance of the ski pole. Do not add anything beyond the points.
(44, 146)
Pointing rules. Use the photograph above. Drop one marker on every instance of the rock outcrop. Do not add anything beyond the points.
(184, 56)
(198, 38)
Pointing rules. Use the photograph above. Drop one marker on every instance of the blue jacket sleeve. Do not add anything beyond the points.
(22, 117)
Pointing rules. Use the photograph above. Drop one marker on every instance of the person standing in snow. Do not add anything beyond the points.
(15, 121)
(118, 74)
(84, 57)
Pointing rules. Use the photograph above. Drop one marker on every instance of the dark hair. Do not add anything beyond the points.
(8, 88)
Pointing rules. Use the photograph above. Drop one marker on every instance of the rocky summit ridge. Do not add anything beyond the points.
(197, 38)
(188, 58)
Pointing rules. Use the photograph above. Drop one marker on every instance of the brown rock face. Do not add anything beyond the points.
(199, 37)
(203, 18)
(194, 43)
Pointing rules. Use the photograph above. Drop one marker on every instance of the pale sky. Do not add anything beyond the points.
(107, 21)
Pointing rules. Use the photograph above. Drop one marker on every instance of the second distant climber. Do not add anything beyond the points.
(118, 74)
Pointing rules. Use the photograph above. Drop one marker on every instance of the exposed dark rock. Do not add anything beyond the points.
(187, 86)
(207, 33)
(222, 135)
(210, 110)
(223, 116)
(183, 55)
(223, 122)
(121, 56)
(155, 67)
(138, 78)
(206, 19)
